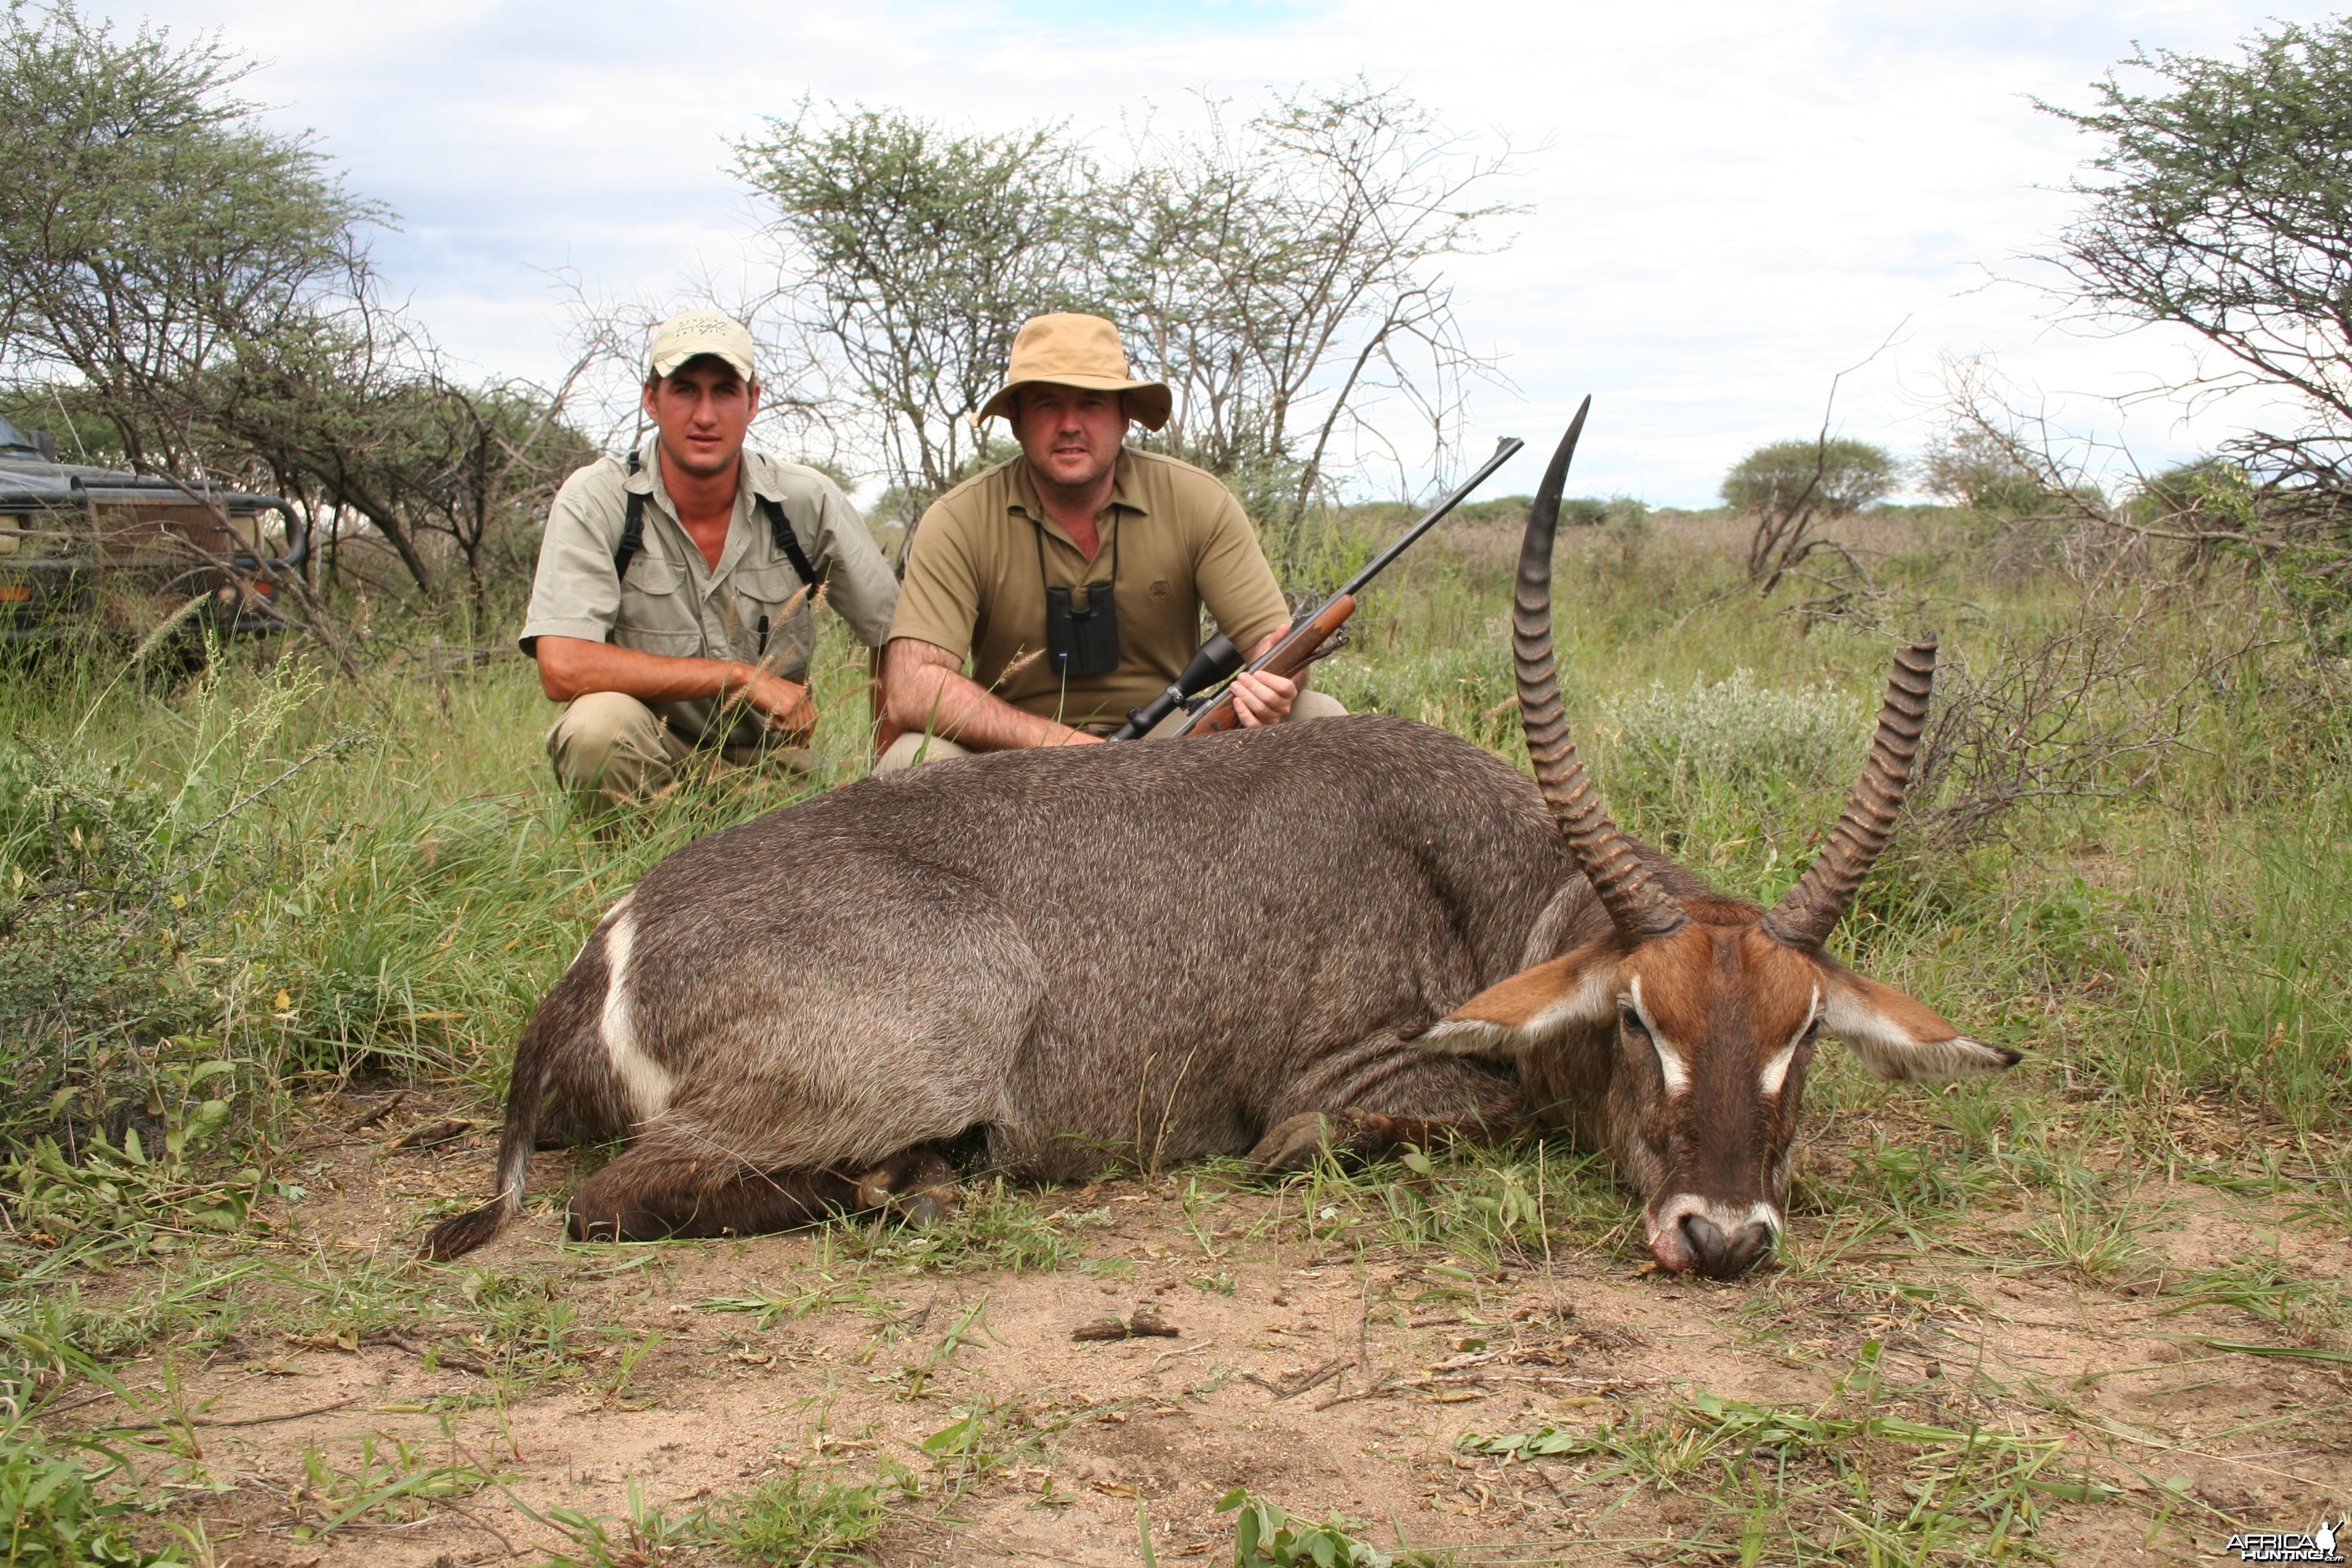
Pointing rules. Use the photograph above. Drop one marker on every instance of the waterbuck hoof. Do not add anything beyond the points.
(1297, 1142)
(929, 1207)
(1293, 1143)
(923, 1205)
(917, 1185)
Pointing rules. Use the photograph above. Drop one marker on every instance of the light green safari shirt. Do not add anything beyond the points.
(673, 603)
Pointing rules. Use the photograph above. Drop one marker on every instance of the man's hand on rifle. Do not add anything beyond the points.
(1261, 697)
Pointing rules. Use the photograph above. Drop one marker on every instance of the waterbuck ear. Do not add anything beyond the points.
(1531, 1008)
(1898, 1037)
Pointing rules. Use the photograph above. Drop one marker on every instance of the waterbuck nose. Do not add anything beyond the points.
(1725, 1256)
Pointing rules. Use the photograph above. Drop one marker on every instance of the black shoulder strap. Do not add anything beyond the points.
(780, 530)
(633, 527)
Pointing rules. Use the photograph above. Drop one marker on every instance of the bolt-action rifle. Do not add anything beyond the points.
(1218, 660)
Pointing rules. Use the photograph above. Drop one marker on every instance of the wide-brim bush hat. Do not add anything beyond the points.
(1071, 350)
(697, 332)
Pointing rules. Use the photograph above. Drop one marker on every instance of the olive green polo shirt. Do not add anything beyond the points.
(674, 603)
(1179, 540)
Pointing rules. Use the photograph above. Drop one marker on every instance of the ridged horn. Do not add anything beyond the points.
(1626, 887)
(1811, 908)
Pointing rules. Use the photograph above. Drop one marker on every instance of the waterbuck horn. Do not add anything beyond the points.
(1811, 908)
(1602, 851)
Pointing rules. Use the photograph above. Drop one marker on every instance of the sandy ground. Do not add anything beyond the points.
(1327, 1381)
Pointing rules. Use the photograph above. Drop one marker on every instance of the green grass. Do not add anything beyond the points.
(804, 1520)
(66, 1506)
(1794, 1485)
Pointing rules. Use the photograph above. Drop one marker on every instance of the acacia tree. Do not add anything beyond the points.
(1279, 277)
(198, 285)
(2221, 202)
(151, 228)
(910, 256)
(1790, 487)
(152, 233)
(1282, 276)
(357, 418)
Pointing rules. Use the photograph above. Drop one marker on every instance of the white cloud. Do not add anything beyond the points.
(1733, 201)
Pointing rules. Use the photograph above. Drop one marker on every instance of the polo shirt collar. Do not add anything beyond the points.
(1125, 495)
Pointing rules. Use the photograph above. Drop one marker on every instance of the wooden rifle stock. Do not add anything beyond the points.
(1305, 641)
(1289, 659)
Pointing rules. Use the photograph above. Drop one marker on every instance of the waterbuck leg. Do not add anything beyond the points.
(651, 1194)
(917, 1184)
(1297, 1142)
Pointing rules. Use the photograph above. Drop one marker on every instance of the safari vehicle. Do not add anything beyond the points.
(86, 548)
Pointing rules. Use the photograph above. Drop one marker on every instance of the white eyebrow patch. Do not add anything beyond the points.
(1776, 1071)
(1670, 1061)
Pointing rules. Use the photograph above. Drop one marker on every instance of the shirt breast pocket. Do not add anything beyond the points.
(657, 615)
(762, 592)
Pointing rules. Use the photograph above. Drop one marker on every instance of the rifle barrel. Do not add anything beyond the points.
(1505, 450)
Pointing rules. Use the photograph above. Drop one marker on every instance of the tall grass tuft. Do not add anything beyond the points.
(2251, 990)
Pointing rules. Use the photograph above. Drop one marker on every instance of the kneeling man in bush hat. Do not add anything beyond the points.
(671, 608)
(1071, 577)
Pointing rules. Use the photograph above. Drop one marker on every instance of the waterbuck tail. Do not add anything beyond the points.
(534, 1071)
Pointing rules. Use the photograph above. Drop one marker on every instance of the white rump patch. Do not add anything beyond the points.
(1776, 1071)
(600, 925)
(1670, 1058)
(645, 1083)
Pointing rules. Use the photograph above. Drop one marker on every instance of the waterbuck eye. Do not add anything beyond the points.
(1630, 1022)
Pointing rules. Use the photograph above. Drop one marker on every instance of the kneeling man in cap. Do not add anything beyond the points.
(1072, 576)
(671, 608)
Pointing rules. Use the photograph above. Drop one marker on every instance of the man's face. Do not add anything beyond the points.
(702, 409)
(1071, 435)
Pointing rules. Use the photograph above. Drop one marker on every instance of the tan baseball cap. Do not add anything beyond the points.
(697, 332)
(1070, 350)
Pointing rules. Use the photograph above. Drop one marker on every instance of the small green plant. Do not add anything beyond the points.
(914, 1379)
(390, 1483)
(821, 1295)
(1267, 1537)
(993, 1228)
(1466, 1199)
(58, 1510)
(989, 1435)
(973, 1443)
(2093, 1233)
(137, 1187)
(804, 1520)
(1734, 732)
(648, 1537)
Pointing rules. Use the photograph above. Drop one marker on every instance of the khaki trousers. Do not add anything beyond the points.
(910, 749)
(612, 751)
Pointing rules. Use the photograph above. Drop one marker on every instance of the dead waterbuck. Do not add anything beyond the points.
(1675, 1026)
(1054, 960)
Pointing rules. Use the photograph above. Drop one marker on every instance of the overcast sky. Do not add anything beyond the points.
(1729, 203)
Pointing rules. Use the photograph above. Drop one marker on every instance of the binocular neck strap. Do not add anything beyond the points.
(1088, 587)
